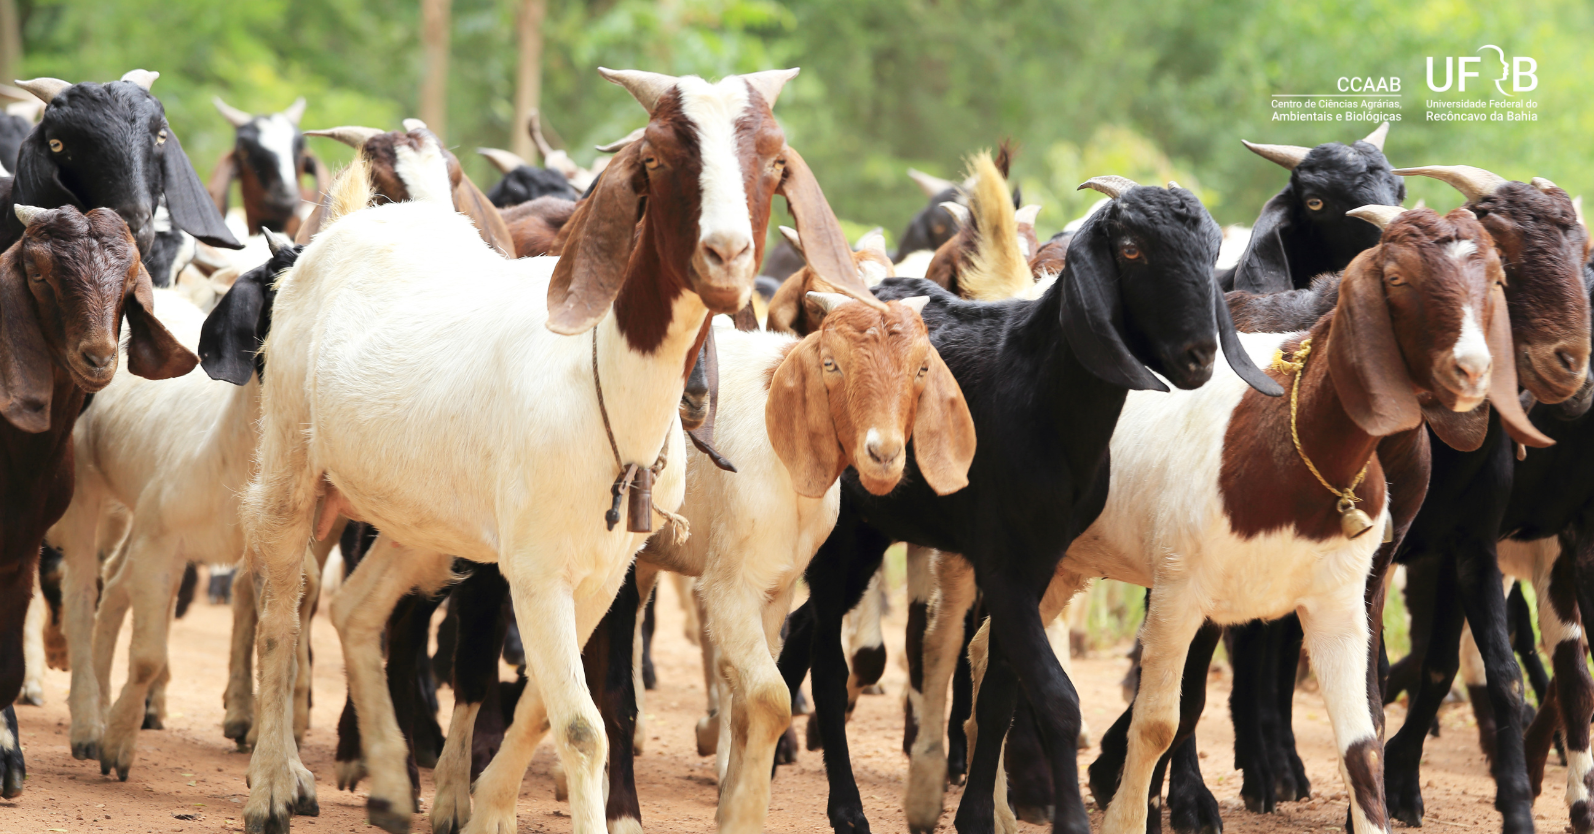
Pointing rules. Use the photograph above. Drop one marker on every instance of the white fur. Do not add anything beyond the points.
(33, 650)
(713, 110)
(1472, 351)
(276, 134)
(424, 172)
(914, 264)
(1460, 249)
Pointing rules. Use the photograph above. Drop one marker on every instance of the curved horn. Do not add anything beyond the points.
(1287, 155)
(142, 77)
(1543, 184)
(414, 124)
(274, 241)
(769, 82)
(46, 89)
(930, 184)
(503, 160)
(1376, 138)
(620, 144)
(1027, 214)
(233, 115)
(295, 111)
(1471, 182)
(29, 214)
(1172, 185)
(959, 212)
(1112, 186)
(534, 127)
(792, 237)
(10, 93)
(354, 137)
(646, 87)
(1379, 216)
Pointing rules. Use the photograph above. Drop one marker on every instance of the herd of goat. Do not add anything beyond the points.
(523, 401)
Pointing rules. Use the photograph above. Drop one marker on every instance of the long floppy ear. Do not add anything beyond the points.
(27, 376)
(1235, 352)
(1364, 359)
(230, 336)
(221, 179)
(797, 417)
(602, 234)
(1503, 376)
(943, 431)
(1091, 312)
(38, 177)
(190, 204)
(1263, 267)
(152, 351)
(469, 200)
(825, 245)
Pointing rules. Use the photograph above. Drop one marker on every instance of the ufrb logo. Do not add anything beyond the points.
(1521, 70)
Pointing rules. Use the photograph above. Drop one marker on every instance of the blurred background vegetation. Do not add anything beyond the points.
(1151, 89)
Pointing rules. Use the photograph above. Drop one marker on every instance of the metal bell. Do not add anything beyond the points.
(1352, 522)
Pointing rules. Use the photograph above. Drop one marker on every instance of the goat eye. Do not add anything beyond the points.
(923, 369)
(1131, 252)
(830, 364)
(1314, 204)
(55, 145)
(1396, 281)
(652, 162)
(160, 138)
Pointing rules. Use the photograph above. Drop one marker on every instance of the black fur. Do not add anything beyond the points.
(233, 333)
(527, 183)
(13, 129)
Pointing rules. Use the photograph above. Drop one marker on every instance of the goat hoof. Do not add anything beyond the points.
(152, 722)
(1194, 810)
(349, 775)
(1582, 817)
(307, 806)
(849, 819)
(708, 735)
(237, 730)
(275, 822)
(13, 771)
(1103, 781)
(86, 750)
(32, 695)
(786, 748)
(1035, 814)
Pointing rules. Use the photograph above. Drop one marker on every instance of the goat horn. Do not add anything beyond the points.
(10, 93)
(295, 111)
(646, 87)
(29, 214)
(503, 160)
(1376, 138)
(791, 237)
(1112, 186)
(1027, 214)
(354, 137)
(930, 184)
(237, 117)
(414, 124)
(874, 240)
(1172, 185)
(959, 212)
(827, 301)
(1473, 183)
(1543, 184)
(1379, 216)
(275, 242)
(46, 89)
(142, 77)
(1287, 155)
(534, 127)
(623, 142)
(770, 82)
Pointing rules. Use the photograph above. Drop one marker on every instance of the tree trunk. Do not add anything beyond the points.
(434, 84)
(10, 42)
(528, 80)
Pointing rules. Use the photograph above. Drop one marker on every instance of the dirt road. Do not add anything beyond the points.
(188, 778)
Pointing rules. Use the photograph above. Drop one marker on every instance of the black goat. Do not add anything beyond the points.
(1045, 381)
(109, 146)
(524, 182)
(1303, 230)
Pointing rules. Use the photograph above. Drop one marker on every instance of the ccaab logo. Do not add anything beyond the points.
(1521, 71)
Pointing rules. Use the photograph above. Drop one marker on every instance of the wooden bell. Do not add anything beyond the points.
(639, 511)
(1352, 522)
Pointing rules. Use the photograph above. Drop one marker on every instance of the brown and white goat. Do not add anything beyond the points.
(267, 159)
(64, 288)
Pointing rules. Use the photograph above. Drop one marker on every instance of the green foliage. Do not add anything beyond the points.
(1153, 90)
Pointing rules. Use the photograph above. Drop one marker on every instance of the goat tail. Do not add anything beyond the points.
(350, 192)
(997, 267)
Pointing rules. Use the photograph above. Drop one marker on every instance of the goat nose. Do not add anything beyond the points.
(882, 451)
(1472, 369)
(723, 248)
(1568, 361)
(97, 360)
(1198, 356)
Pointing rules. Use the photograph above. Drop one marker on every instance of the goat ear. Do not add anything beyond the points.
(943, 430)
(602, 235)
(786, 306)
(824, 244)
(1092, 312)
(1364, 359)
(1503, 375)
(152, 351)
(1263, 267)
(191, 206)
(797, 416)
(230, 336)
(1235, 352)
(221, 180)
(27, 376)
(469, 200)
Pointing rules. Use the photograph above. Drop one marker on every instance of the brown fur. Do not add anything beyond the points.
(1364, 764)
(882, 374)
(535, 226)
(787, 311)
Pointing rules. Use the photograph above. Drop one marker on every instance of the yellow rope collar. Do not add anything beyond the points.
(1353, 521)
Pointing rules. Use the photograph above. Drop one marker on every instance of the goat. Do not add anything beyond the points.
(1303, 230)
(536, 226)
(65, 286)
(403, 166)
(789, 310)
(524, 182)
(1045, 380)
(392, 267)
(267, 159)
(177, 455)
(934, 224)
(109, 146)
